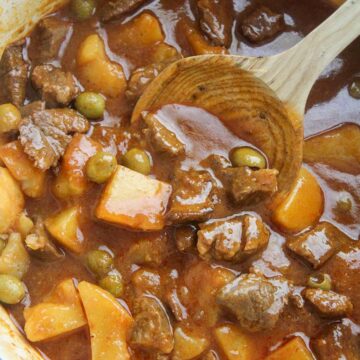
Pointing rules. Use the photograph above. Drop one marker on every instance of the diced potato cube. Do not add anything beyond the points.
(302, 207)
(188, 345)
(162, 52)
(133, 200)
(31, 179)
(96, 72)
(235, 344)
(64, 227)
(295, 349)
(12, 200)
(72, 180)
(60, 313)
(14, 259)
(109, 323)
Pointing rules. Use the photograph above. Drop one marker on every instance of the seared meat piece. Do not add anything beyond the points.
(185, 237)
(48, 38)
(152, 330)
(249, 186)
(319, 244)
(46, 134)
(215, 16)
(174, 301)
(32, 108)
(329, 303)
(262, 24)
(256, 302)
(192, 198)
(115, 8)
(161, 138)
(55, 86)
(337, 342)
(13, 76)
(217, 163)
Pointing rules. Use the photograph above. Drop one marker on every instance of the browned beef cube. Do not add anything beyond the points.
(217, 164)
(185, 237)
(32, 108)
(13, 76)
(192, 198)
(174, 301)
(338, 341)
(318, 245)
(262, 24)
(56, 87)
(256, 302)
(329, 303)
(152, 330)
(115, 8)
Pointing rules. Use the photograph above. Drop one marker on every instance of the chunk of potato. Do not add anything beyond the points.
(95, 70)
(64, 227)
(235, 344)
(12, 200)
(188, 345)
(302, 207)
(72, 180)
(14, 259)
(31, 179)
(163, 52)
(295, 349)
(109, 323)
(60, 313)
(133, 200)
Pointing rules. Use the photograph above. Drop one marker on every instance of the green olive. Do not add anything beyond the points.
(91, 105)
(100, 262)
(113, 283)
(100, 167)
(83, 9)
(354, 88)
(10, 118)
(320, 281)
(137, 160)
(344, 202)
(247, 156)
(12, 290)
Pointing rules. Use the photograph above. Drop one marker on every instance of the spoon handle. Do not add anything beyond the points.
(294, 72)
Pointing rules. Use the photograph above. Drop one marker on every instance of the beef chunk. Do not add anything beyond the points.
(317, 245)
(13, 76)
(256, 302)
(337, 342)
(152, 330)
(161, 138)
(262, 24)
(232, 239)
(49, 36)
(174, 301)
(249, 186)
(55, 86)
(115, 8)
(217, 163)
(329, 303)
(46, 134)
(32, 108)
(185, 237)
(215, 16)
(193, 196)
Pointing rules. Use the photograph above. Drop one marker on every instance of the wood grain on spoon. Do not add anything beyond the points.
(261, 99)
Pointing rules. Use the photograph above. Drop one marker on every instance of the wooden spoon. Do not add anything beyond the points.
(261, 99)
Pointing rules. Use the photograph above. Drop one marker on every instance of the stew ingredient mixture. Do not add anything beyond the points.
(161, 239)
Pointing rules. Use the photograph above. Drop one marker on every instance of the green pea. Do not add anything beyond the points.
(83, 9)
(113, 283)
(100, 262)
(354, 88)
(91, 105)
(137, 160)
(12, 290)
(320, 281)
(100, 167)
(247, 156)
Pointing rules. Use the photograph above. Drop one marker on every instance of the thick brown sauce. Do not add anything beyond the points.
(329, 105)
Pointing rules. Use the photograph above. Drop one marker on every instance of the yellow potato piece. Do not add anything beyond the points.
(64, 227)
(60, 313)
(295, 349)
(12, 200)
(235, 344)
(133, 200)
(92, 48)
(109, 323)
(187, 345)
(302, 207)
